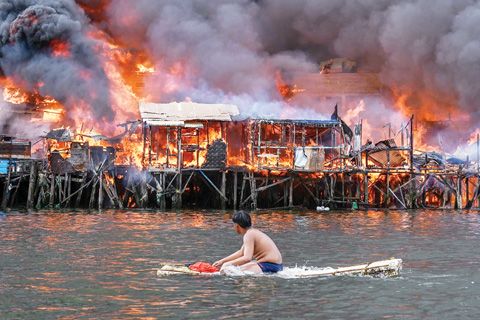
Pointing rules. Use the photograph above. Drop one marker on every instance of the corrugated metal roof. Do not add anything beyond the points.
(186, 111)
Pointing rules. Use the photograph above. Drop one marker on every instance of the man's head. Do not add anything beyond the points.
(242, 221)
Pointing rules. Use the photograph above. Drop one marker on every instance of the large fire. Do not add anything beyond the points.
(127, 70)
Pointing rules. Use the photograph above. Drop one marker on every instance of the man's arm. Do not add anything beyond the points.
(233, 256)
(247, 256)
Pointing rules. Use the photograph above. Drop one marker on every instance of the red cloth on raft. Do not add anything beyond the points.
(203, 267)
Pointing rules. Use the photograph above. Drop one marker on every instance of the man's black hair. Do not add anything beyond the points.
(242, 219)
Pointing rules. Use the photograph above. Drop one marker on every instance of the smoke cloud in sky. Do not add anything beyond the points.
(428, 46)
(428, 49)
(28, 31)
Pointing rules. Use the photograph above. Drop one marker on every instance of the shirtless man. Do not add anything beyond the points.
(258, 253)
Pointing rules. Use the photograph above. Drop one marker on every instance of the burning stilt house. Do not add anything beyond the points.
(185, 134)
(299, 145)
(70, 152)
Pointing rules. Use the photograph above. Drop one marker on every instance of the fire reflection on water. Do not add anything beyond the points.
(84, 264)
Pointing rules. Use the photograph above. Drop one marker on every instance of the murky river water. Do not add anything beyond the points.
(88, 266)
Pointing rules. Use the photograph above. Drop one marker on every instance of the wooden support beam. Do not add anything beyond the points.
(143, 190)
(14, 195)
(32, 181)
(242, 191)
(235, 187)
(100, 192)
(273, 184)
(52, 190)
(459, 202)
(38, 193)
(411, 143)
(317, 201)
(42, 187)
(387, 182)
(398, 199)
(158, 190)
(177, 203)
(253, 190)
(290, 196)
(93, 193)
(65, 185)
(163, 199)
(59, 187)
(69, 190)
(188, 181)
(223, 190)
(80, 191)
(209, 182)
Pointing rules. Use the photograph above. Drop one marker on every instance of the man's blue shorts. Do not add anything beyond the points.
(268, 267)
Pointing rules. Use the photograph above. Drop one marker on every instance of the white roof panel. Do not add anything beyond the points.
(187, 111)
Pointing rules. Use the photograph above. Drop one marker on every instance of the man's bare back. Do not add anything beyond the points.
(258, 252)
(264, 249)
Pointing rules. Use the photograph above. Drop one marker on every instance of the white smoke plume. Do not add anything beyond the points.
(236, 46)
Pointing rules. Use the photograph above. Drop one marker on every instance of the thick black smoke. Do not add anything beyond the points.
(28, 29)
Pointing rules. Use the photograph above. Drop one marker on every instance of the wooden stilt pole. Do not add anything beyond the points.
(467, 189)
(69, 190)
(235, 187)
(163, 198)
(178, 193)
(52, 190)
(31, 185)
(59, 185)
(143, 190)
(459, 192)
(100, 191)
(242, 191)
(17, 187)
(93, 193)
(290, 195)
(41, 192)
(387, 194)
(253, 190)
(158, 190)
(223, 189)
(79, 196)
(38, 194)
(65, 186)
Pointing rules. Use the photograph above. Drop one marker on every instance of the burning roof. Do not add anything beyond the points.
(178, 112)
